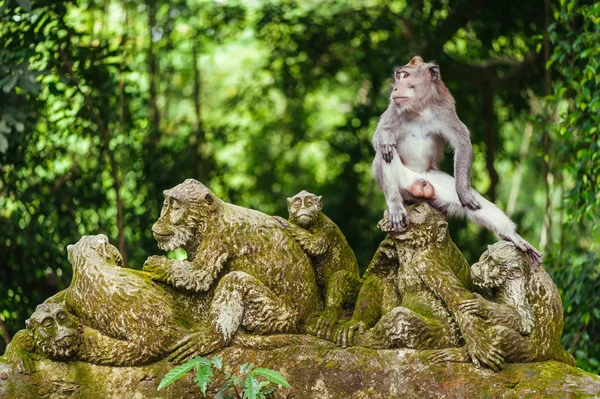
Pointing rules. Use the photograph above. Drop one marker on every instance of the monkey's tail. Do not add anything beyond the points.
(275, 341)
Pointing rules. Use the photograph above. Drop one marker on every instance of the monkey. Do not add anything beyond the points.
(334, 262)
(521, 304)
(409, 142)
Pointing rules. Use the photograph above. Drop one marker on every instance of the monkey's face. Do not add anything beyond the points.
(57, 333)
(304, 209)
(93, 247)
(173, 230)
(489, 272)
(414, 83)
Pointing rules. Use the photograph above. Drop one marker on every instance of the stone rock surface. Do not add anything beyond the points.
(317, 371)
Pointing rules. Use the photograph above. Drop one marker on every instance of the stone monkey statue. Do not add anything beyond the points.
(521, 302)
(412, 292)
(264, 282)
(335, 265)
(409, 142)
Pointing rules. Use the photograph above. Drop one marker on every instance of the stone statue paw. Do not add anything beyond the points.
(24, 360)
(476, 306)
(456, 355)
(324, 326)
(156, 266)
(486, 353)
(348, 331)
(196, 344)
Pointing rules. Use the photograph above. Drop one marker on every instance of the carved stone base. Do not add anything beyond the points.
(318, 371)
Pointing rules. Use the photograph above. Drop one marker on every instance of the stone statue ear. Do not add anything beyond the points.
(28, 324)
(209, 200)
(289, 202)
(320, 202)
(442, 226)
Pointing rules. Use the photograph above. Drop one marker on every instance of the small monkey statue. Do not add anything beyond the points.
(409, 142)
(335, 265)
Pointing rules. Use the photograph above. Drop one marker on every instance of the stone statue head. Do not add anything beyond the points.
(185, 212)
(56, 333)
(502, 261)
(426, 226)
(304, 208)
(93, 247)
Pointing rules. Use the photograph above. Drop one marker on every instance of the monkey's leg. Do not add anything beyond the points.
(342, 289)
(488, 216)
(404, 328)
(241, 300)
(392, 179)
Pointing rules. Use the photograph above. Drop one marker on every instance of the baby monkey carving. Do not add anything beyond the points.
(409, 142)
(336, 268)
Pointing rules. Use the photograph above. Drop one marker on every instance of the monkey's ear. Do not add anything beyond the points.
(435, 73)
(210, 201)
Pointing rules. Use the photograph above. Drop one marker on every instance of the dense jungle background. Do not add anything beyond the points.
(104, 104)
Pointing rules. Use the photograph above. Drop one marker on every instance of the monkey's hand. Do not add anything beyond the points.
(344, 336)
(157, 267)
(467, 199)
(387, 152)
(476, 306)
(483, 349)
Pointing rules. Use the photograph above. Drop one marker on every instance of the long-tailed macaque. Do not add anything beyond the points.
(409, 142)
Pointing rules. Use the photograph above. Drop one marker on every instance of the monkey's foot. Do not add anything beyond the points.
(422, 189)
(394, 221)
(455, 355)
(468, 200)
(533, 254)
(344, 336)
(325, 324)
(197, 344)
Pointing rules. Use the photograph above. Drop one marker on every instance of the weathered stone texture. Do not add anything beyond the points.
(318, 371)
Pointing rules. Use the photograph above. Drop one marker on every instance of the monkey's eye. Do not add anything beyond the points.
(401, 75)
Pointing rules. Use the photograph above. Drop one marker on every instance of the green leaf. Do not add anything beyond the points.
(274, 376)
(252, 387)
(268, 390)
(223, 390)
(204, 374)
(246, 368)
(217, 361)
(180, 371)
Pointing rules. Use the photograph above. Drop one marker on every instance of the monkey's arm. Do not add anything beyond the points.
(496, 314)
(312, 244)
(444, 283)
(197, 275)
(384, 139)
(21, 351)
(457, 135)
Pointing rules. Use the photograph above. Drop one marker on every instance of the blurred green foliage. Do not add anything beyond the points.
(104, 104)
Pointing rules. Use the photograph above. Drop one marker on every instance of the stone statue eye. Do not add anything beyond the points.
(47, 322)
(61, 315)
(308, 202)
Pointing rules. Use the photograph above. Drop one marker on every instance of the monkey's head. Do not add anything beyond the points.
(56, 333)
(426, 226)
(93, 248)
(417, 84)
(184, 216)
(305, 208)
(502, 261)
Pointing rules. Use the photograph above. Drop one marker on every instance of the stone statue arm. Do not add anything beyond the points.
(312, 244)
(444, 283)
(197, 275)
(21, 351)
(496, 314)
